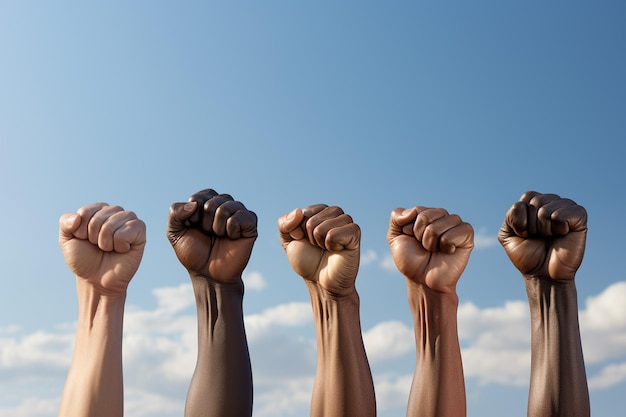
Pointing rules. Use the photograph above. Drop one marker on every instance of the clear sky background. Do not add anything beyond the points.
(365, 105)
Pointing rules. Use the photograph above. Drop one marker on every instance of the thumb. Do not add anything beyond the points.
(399, 220)
(177, 219)
(68, 224)
(288, 227)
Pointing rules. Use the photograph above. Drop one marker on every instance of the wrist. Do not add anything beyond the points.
(216, 301)
(421, 295)
(553, 293)
(532, 279)
(438, 385)
(317, 291)
(96, 305)
(332, 311)
(434, 314)
(203, 282)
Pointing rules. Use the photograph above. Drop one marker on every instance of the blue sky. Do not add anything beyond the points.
(364, 105)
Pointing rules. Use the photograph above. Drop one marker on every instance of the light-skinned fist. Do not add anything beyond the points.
(103, 245)
(322, 244)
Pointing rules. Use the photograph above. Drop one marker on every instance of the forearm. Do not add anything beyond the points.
(222, 381)
(94, 385)
(343, 384)
(438, 388)
(558, 383)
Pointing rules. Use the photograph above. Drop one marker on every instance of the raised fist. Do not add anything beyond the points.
(544, 235)
(103, 245)
(323, 246)
(430, 246)
(212, 235)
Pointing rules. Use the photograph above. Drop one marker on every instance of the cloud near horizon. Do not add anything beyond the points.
(160, 353)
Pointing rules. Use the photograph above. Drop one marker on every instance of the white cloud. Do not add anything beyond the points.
(483, 240)
(290, 314)
(502, 366)
(44, 352)
(160, 353)
(174, 299)
(392, 391)
(9, 329)
(388, 263)
(611, 375)
(496, 342)
(368, 257)
(388, 340)
(285, 397)
(603, 324)
(254, 281)
(510, 324)
(31, 407)
(142, 403)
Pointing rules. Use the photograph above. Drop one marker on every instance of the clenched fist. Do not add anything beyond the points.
(212, 235)
(323, 246)
(430, 246)
(544, 235)
(103, 245)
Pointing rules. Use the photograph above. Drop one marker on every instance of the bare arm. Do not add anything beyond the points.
(544, 236)
(222, 380)
(103, 246)
(94, 385)
(213, 236)
(431, 248)
(438, 387)
(322, 245)
(558, 382)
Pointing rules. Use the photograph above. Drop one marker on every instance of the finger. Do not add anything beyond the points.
(288, 227)
(223, 213)
(312, 222)
(528, 195)
(426, 216)
(176, 222)
(208, 212)
(131, 234)
(200, 197)
(242, 224)
(344, 237)
(98, 219)
(433, 232)
(307, 213)
(538, 217)
(110, 226)
(320, 233)
(85, 214)
(516, 219)
(539, 200)
(401, 222)
(460, 236)
(288, 222)
(312, 210)
(576, 217)
(408, 229)
(564, 215)
(68, 223)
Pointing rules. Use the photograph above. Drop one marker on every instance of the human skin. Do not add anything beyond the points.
(544, 236)
(213, 236)
(322, 244)
(103, 246)
(431, 248)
